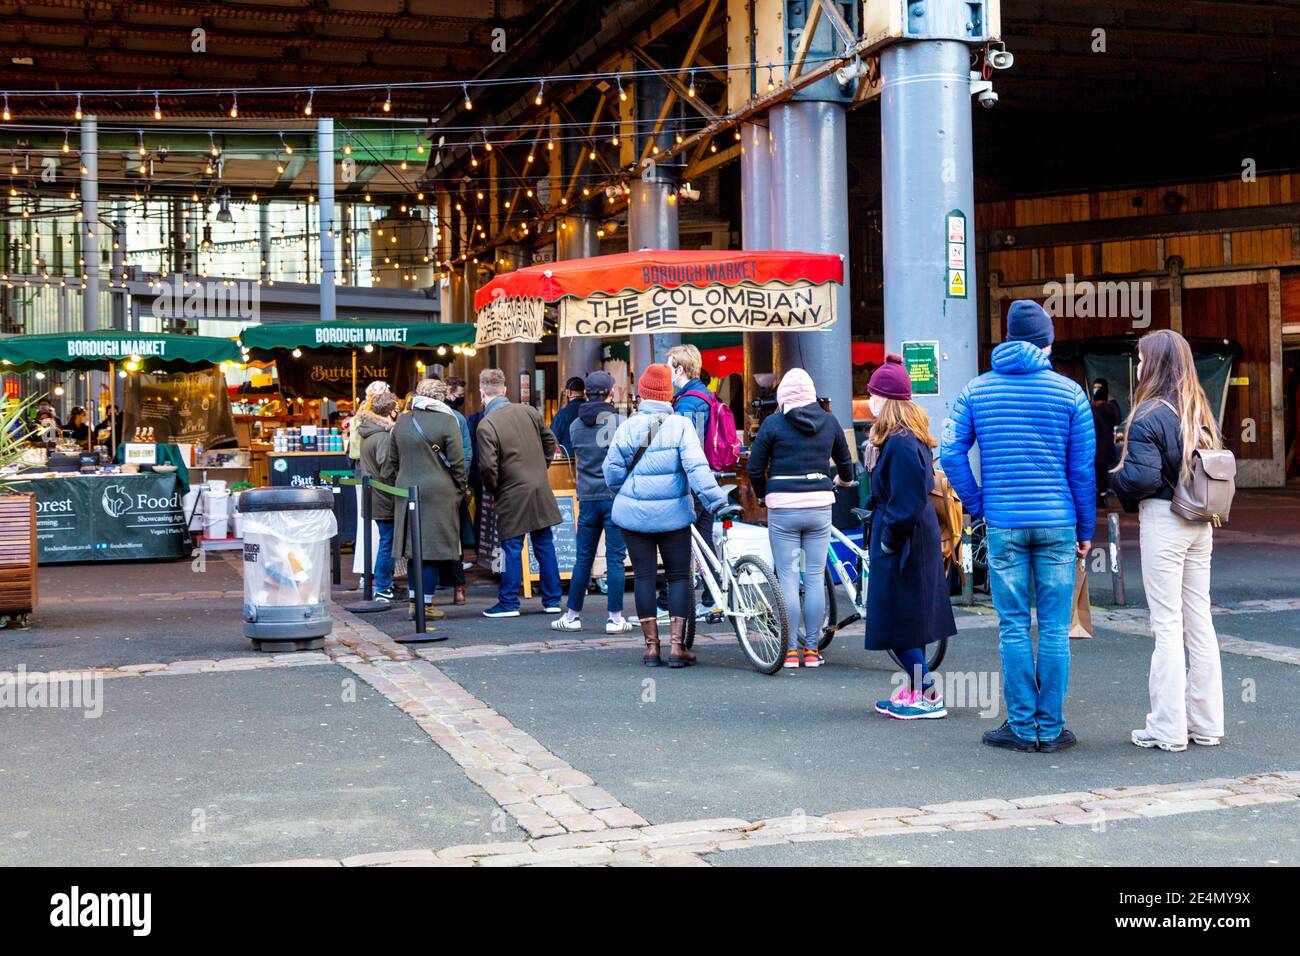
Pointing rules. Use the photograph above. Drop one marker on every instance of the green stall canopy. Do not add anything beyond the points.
(263, 341)
(156, 351)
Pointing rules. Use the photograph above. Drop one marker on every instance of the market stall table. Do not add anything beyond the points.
(106, 517)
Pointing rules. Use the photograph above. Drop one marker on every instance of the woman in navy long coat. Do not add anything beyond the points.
(907, 590)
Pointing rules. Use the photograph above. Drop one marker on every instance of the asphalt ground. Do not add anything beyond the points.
(276, 765)
(719, 739)
(227, 768)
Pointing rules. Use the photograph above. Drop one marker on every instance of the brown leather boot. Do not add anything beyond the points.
(650, 628)
(458, 595)
(679, 655)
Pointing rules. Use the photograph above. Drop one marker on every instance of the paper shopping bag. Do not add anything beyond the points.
(1080, 610)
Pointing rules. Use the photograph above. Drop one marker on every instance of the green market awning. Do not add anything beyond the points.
(155, 351)
(264, 341)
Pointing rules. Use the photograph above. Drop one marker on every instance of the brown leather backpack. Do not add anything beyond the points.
(1206, 494)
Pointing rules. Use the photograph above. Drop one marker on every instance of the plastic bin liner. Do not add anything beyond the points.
(286, 557)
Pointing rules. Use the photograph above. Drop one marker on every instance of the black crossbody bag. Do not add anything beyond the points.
(650, 440)
(438, 453)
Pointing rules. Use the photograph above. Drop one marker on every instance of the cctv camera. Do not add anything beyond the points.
(988, 99)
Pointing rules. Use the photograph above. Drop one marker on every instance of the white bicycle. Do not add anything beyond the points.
(746, 590)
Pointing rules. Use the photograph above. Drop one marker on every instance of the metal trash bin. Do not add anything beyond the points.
(287, 534)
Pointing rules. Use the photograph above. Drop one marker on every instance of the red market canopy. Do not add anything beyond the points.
(662, 291)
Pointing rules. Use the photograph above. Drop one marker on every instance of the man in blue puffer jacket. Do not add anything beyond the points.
(1038, 497)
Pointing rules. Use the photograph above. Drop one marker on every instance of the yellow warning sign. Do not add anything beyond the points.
(957, 283)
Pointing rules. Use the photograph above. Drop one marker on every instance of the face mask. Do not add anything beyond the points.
(875, 403)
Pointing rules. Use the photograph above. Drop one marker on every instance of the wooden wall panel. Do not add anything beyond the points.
(1291, 299)
(1240, 314)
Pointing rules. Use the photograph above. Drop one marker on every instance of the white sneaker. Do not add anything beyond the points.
(1203, 740)
(1144, 740)
(622, 626)
(565, 624)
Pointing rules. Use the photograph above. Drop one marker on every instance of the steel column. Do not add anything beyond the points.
(90, 222)
(926, 175)
(810, 213)
(517, 358)
(576, 239)
(264, 239)
(325, 200)
(756, 233)
(652, 207)
(118, 256)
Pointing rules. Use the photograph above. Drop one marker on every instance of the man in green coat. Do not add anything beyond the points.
(425, 452)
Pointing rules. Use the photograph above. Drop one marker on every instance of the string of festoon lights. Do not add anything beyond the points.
(474, 141)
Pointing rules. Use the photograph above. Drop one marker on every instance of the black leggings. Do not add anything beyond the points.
(675, 549)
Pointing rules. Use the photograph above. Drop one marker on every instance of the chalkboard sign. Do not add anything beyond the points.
(488, 542)
(565, 537)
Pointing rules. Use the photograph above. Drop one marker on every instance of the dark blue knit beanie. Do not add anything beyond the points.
(1027, 321)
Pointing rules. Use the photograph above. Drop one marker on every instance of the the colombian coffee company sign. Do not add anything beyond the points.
(510, 319)
(746, 306)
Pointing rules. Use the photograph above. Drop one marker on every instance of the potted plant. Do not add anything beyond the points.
(17, 523)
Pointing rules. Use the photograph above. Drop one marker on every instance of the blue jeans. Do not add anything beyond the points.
(594, 518)
(512, 574)
(1041, 559)
(384, 556)
(428, 579)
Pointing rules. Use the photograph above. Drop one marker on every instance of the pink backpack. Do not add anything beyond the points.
(721, 443)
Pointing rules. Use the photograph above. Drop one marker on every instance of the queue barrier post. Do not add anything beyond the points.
(335, 480)
(368, 604)
(1116, 561)
(415, 573)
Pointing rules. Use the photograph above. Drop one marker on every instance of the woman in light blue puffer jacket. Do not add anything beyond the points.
(653, 505)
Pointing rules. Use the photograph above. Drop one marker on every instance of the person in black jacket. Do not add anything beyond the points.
(1105, 419)
(574, 390)
(1171, 419)
(907, 591)
(788, 471)
(589, 436)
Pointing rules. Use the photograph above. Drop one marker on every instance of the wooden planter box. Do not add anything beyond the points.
(17, 557)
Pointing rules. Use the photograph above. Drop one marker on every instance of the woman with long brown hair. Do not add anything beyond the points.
(907, 591)
(1170, 420)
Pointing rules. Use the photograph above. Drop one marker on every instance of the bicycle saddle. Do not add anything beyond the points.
(862, 514)
(728, 512)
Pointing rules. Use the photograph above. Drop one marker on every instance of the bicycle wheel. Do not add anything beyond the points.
(763, 627)
(688, 638)
(832, 614)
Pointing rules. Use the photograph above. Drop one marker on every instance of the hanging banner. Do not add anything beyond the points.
(327, 373)
(189, 407)
(746, 307)
(507, 319)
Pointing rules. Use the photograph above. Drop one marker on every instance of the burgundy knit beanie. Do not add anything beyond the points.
(891, 380)
(656, 384)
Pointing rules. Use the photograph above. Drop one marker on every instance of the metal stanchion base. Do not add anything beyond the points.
(368, 607)
(431, 635)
